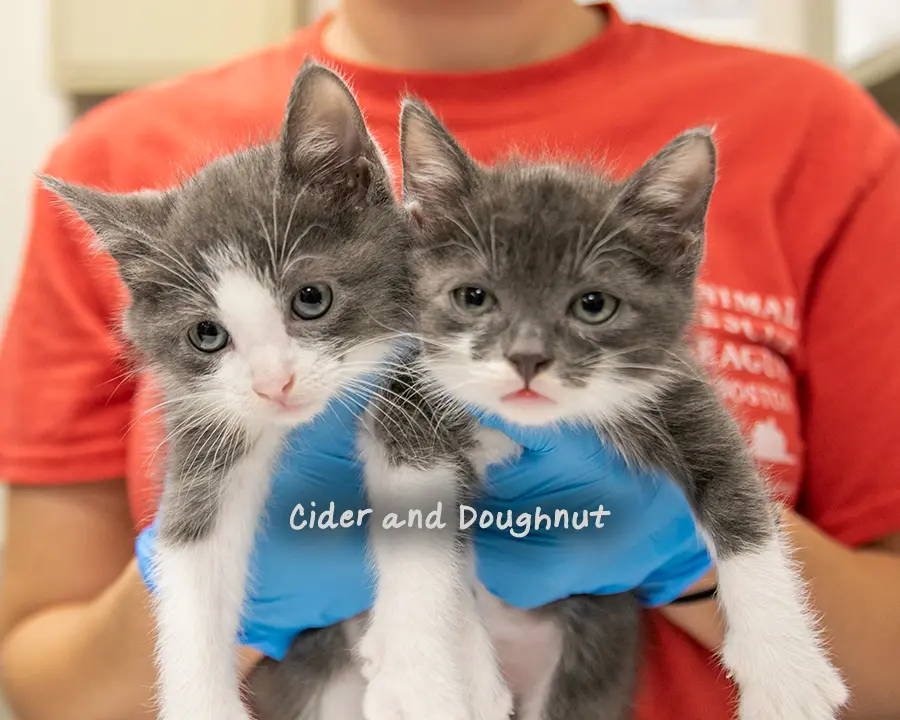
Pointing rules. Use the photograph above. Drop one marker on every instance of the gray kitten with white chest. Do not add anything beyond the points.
(260, 289)
(548, 295)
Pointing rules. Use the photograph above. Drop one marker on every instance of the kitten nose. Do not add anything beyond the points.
(273, 388)
(529, 365)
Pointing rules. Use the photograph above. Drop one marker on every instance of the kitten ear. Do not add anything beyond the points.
(436, 170)
(126, 225)
(324, 136)
(671, 192)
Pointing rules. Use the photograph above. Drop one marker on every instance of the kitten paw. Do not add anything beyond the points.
(491, 698)
(773, 646)
(492, 447)
(400, 693)
(820, 703)
(812, 691)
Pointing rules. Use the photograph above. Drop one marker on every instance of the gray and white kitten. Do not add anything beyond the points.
(261, 288)
(550, 295)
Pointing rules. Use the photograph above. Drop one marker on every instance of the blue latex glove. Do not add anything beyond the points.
(304, 578)
(316, 577)
(648, 541)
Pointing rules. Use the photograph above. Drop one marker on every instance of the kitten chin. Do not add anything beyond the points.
(493, 386)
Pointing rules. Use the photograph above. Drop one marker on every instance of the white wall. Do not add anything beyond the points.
(866, 27)
(317, 7)
(32, 117)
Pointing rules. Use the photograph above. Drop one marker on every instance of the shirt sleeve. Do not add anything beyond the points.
(65, 391)
(851, 380)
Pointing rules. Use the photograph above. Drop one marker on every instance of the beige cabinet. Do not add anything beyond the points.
(106, 46)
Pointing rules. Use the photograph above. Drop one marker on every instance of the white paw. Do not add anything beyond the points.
(821, 702)
(773, 645)
(808, 691)
(492, 447)
(404, 693)
(491, 698)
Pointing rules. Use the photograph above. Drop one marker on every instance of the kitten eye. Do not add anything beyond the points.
(208, 337)
(595, 307)
(473, 300)
(311, 301)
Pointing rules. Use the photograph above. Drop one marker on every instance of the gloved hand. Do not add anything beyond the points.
(648, 540)
(310, 577)
(316, 577)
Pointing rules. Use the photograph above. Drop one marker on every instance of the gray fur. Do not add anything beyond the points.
(315, 204)
(288, 689)
(322, 191)
(416, 426)
(538, 237)
(596, 674)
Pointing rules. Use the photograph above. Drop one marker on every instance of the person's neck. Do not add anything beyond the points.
(458, 36)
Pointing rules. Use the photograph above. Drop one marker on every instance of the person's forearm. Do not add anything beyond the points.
(857, 593)
(90, 661)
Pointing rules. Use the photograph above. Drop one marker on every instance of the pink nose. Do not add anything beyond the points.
(273, 389)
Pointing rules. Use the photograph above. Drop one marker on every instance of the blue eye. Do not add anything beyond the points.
(208, 337)
(312, 301)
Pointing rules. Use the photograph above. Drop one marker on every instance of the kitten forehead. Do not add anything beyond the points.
(249, 310)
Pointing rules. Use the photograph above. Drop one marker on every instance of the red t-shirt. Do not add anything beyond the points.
(800, 292)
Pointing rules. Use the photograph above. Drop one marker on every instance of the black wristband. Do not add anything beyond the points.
(697, 596)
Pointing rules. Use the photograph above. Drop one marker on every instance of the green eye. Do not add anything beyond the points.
(594, 308)
(473, 300)
(208, 337)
